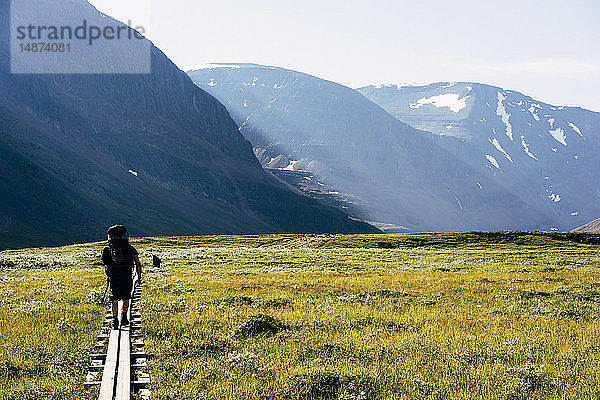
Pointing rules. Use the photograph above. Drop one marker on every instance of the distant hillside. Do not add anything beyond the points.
(329, 140)
(550, 154)
(593, 226)
(154, 152)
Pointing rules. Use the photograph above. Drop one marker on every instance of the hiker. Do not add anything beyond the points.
(119, 258)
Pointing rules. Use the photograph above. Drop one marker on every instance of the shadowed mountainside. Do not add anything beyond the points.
(154, 152)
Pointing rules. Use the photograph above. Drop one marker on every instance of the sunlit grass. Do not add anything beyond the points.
(429, 316)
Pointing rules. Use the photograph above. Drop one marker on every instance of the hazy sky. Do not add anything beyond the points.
(547, 49)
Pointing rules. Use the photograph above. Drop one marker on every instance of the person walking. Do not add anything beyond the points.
(119, 258)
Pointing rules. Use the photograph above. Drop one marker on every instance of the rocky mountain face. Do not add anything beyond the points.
(593, 226)
(151, 151)
(549, 153)
(329, 140)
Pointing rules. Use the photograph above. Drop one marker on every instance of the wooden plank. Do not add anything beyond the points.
(124, 374)
(116, 376)
(107, 387)
(123, 390)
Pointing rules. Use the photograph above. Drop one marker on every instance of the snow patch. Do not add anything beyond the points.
(555, 197)
(479, 184)
(290, 166)
(246, 120)
(459, 204)
(132, 172)
(551, 122)
(553, 149)
(559, 135)
(492, 161)
(526, 148)
(451, 100)
(498, 147)
(211, 82)
(533, 111)
(575, 128)
(245, 103)
(501, 112)
(213, 66)
(575, 213)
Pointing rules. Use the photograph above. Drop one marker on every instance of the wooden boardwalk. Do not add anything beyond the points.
(120, 365)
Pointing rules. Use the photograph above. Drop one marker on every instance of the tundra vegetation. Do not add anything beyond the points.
(474, 315)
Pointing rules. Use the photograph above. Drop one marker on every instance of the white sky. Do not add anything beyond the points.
(547, 49)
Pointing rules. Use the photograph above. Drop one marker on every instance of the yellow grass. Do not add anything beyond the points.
(438, 316)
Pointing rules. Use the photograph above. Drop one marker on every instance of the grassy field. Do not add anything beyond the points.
(414, 316)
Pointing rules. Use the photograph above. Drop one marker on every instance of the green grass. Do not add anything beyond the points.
(474, 315)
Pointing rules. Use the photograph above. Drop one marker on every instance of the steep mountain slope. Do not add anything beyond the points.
(593, 226)
(551, 153)
(153, 151)
(381, 168)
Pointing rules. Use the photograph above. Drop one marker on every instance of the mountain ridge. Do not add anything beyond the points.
(546, 150)
(400, 85)
(81, 152)
(330, 130)
(592, 226)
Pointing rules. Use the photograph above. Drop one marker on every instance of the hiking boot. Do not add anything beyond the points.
(115, 323)
(124, 320)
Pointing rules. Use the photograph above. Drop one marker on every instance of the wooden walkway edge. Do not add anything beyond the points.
(119, 376)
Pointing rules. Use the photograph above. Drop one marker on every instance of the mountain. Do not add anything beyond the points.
(152, 151)
(593, 226)
(318, 134)
(550, 153)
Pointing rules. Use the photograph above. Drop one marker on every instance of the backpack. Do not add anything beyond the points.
(118, 252)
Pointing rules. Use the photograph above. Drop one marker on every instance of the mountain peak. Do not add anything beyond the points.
(481, 151)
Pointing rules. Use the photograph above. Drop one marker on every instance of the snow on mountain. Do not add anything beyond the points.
(552, 153)
(384, 169)
(451, 100)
